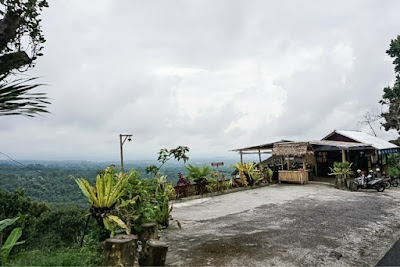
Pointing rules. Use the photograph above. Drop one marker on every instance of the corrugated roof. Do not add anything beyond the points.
(338, 144)
(367, 139)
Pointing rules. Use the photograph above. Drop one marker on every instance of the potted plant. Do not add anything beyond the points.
(199, 176)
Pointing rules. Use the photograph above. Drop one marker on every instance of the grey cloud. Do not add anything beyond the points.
(157, 68)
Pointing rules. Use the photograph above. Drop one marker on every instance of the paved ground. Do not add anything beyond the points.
(291, 225)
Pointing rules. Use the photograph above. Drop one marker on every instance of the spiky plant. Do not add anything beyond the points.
(105, 197)
(247, 173)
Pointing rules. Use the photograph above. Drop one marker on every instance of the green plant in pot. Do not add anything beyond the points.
(247, 173)
(199, 176)
(105, 197)
(342, 171)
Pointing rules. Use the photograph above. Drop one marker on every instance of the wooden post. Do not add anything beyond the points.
(156, 253)
(122, 153)
(120, 250)
(149, 231)
(241, 157)
(259, 155)
(316, 165)
(343, 155)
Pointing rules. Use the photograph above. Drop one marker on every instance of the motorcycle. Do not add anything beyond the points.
(394, 181)
(369, 182)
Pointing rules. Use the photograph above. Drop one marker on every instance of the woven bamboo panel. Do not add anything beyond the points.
(293, 176)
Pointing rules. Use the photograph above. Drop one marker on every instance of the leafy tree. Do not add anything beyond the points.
(165, 155)
(391, 95)
(20, 31)
(16, 204)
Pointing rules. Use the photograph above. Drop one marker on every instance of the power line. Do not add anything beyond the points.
(23, 165)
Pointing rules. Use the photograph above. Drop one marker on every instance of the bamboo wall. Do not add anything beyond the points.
(293, 176)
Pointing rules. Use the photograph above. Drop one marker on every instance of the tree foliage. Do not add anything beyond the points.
(391, 94)
(21, 43)
(20, 31)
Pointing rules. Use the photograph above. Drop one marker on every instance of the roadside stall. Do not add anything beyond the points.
(291, 153)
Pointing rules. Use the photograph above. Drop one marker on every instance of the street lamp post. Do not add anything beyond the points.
(121, 143)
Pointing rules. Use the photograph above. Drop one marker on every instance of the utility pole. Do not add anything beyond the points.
(121, 143)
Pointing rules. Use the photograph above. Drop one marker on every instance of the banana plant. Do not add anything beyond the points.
(12, 239)
(105, 196)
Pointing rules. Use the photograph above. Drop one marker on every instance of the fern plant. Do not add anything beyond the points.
(198, 175)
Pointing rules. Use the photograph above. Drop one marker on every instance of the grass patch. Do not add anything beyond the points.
(86, 256)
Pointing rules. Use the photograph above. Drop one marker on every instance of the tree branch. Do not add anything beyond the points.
(13, 61)
(9, 25)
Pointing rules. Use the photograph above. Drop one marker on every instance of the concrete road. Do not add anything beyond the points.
(286, 224)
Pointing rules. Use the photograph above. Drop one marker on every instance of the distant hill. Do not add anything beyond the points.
(50, 181)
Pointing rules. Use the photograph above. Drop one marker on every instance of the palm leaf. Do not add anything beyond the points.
(15, 99)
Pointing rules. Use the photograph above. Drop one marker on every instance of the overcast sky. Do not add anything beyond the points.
(210, 75)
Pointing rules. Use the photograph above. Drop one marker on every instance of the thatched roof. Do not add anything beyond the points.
(292, 149)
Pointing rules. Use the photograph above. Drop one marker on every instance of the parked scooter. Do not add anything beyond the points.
(386, 180)
(393, 181)
(368, 182)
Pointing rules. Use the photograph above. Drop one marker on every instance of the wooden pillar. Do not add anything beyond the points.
(386, 166)
(282, 163)
(241, 157)
(343, 155)
(259, 155)
(315, 162)
(149, 231)
(288, 163)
